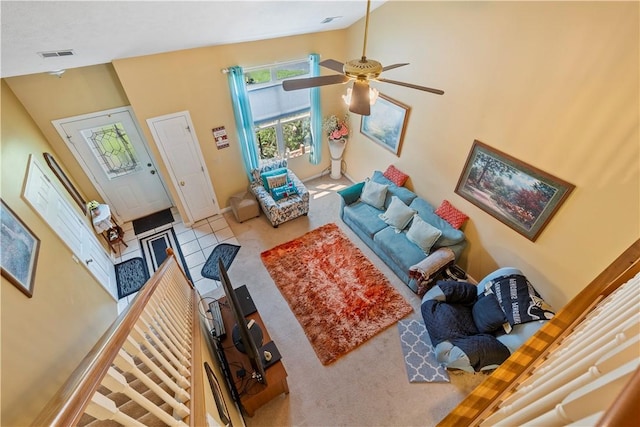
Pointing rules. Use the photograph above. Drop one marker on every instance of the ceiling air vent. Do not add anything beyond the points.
(56, 53)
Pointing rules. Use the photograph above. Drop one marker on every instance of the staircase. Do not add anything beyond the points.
(147, 369)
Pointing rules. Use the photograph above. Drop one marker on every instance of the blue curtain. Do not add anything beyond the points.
(244, 120)
(316, 114)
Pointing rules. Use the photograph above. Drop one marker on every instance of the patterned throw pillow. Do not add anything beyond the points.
(286, 190)
(450, 214)
(396, 176)
(273, 172)
(277, 180)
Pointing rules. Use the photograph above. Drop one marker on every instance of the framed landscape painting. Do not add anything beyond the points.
(386, 123)
(19, 251)
(521, 196)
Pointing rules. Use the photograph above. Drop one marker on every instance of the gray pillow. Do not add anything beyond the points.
(423, 234)
(397, 214)
(374, 194)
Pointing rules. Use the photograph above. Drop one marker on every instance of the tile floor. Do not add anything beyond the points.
(196, 243)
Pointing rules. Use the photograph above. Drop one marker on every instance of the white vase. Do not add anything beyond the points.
(336, 148)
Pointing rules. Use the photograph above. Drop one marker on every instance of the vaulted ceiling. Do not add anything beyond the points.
(43, 36)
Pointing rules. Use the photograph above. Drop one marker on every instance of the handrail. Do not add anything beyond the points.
(68, 405)
(485, 398)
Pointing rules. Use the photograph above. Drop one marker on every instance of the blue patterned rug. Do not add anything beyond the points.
(130, 276)
(419, 355)
(154, 249)
(224, 251)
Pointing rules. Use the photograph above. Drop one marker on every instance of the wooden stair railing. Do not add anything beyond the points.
(147, 366)
(481, 405)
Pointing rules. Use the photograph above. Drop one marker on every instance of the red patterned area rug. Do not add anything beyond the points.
(339, 297)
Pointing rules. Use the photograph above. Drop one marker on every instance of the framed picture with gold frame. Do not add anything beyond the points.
(517, 194)
(19, 250)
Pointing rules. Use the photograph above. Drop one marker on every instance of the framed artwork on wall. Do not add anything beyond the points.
(386, 123)
(19, 251)
(223, 413)
(517, 194)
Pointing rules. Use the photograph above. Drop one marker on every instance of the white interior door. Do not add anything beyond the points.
(69, 224)
(180, 150)
(113, 153)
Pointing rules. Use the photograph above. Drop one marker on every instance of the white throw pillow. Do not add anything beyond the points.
(423, 234)
(397, 214)
(374, 194)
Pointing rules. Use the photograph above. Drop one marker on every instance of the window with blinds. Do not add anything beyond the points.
(281, 119)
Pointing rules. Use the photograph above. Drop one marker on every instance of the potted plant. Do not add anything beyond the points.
(94, 208)
(337, 133)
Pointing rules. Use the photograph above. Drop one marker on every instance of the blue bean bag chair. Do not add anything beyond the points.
(476, 328)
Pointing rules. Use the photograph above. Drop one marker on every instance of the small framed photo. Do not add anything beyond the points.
(517, 194)
(19, 249)
(386, 123)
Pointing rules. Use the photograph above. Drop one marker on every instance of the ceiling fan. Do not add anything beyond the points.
(361, 71)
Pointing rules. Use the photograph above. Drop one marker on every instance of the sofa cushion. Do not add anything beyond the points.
(374, 194)
(487, 314)
(397, 214)
(352, 193)
(274, 172)
(268, 166)
(404, 194)
(283, 191)
(423, 234)
(275, 181)
(451, 214)
(397, 247)
(396, 175)
(450, 236)
(366, 218)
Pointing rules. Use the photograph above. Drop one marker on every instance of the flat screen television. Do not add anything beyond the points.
(247, 336)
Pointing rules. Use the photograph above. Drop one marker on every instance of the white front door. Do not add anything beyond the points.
(180, 150)
(111, 150)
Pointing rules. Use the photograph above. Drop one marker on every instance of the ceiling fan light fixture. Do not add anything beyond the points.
(373, 96)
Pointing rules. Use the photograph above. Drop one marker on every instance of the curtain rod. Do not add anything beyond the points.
(275, 64)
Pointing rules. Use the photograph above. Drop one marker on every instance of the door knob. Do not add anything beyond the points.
(87, 261)
(153, 172)
(182, 183)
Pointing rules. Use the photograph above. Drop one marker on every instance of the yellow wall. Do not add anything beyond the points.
(192, 80)
(161, 84)
(80, 91)
(554, 84)
(44, 337)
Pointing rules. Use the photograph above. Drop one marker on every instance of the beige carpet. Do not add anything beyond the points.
(366, 387)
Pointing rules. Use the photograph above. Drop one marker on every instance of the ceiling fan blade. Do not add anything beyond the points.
(360, 98)
(392, 66)
(295, 84)
(426, 89)
(334, 65)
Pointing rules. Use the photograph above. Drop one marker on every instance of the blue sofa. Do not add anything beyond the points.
(395, 249)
